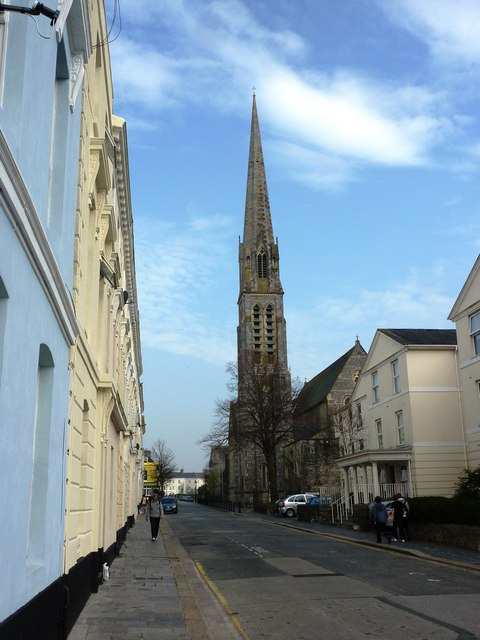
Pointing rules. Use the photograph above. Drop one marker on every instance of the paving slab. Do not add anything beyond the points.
(141, 599)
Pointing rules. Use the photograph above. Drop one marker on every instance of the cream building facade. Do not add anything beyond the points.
(408, 398)
(106, 425)
(466, 315)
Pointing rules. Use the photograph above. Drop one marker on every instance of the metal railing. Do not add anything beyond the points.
(342, 506)
(342, 509)
(365, 493)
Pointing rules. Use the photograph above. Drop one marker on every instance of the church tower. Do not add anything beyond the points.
(261, 333)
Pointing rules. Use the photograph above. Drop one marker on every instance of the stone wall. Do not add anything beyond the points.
(458, 535)
(455, 535)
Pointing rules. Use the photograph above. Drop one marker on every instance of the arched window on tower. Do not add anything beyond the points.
(262, 264)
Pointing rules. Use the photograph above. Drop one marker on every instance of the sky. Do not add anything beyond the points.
(369, 116)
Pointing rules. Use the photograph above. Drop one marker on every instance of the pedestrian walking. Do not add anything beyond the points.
(400, 517)
(154, 513)
(380, 517)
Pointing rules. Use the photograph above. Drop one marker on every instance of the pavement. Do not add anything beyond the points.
(156, 593)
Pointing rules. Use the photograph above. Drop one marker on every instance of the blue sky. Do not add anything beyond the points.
(369, 117)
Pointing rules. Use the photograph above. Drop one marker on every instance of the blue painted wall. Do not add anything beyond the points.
(42, 133)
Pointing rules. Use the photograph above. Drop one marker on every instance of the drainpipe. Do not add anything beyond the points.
(461, 407)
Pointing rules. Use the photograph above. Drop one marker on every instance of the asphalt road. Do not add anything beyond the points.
(276, 582)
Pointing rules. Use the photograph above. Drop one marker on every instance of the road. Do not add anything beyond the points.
(281, 583)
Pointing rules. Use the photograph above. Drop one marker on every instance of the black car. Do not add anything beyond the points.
(169, 504)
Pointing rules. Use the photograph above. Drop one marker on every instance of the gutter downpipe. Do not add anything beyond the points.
(461, 407)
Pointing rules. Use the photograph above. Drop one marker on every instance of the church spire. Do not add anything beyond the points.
(259, 251)
(258, 223)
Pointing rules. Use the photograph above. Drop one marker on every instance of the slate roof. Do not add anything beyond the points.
(318, 388)
(303, 432)
(417, 337)
(186, 474)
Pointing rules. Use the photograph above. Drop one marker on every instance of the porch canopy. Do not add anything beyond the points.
(384, 472)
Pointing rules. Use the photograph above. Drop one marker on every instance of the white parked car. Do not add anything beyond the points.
(288, 506)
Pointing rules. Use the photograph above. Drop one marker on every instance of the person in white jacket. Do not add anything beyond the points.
(154, 513)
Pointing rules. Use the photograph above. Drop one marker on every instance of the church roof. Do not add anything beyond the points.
(317, 389)
(258, 223)
(418, 337)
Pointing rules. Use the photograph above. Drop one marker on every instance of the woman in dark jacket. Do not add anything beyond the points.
(400, 514)
(380, 517)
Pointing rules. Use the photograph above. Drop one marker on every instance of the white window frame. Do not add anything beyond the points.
(379, 430)
(400, 426)
(474, 324)
(375, 387)
(396, 377)
(359, 416)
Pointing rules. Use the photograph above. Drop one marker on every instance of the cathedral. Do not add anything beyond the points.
(255, 461)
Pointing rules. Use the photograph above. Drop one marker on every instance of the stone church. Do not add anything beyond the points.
(326, 426)
(261, 334)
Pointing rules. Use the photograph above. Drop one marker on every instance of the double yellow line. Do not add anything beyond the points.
(221, 599)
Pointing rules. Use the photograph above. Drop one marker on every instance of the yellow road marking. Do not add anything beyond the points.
(221, 599)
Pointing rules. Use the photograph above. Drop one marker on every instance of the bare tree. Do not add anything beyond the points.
(348, 429)
(212, 481)
(164, 459)
(259, 413)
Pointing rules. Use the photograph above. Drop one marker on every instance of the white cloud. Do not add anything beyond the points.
(350, 119)
(474, 150)
(178, 274)
(212, 52)
(451, 28)
(142, 74)
(312, 168)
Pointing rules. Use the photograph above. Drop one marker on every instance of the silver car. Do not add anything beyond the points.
(288, 506)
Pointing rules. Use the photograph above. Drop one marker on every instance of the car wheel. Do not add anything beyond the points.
(289, 513)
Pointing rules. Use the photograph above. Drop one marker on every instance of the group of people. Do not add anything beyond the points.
(399, 530)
